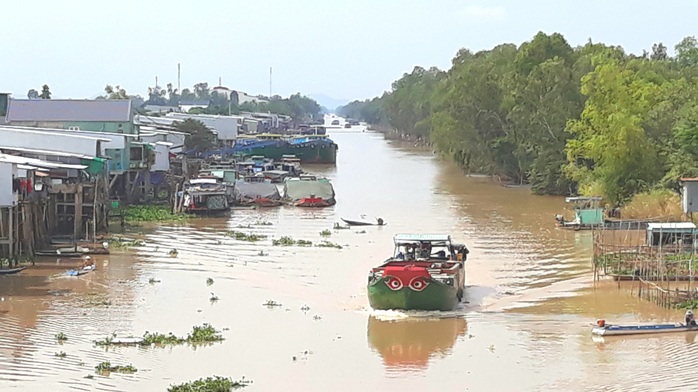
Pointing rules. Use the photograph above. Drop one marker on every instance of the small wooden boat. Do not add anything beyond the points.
(614, 330)
(11, 271)
(81, 271)
(51, 253)
(379, 222)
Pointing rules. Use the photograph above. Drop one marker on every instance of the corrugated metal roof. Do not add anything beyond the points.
(107, 110)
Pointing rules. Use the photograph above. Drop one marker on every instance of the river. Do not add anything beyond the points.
(526, 326)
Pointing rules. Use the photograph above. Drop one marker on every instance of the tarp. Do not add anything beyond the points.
(297, 189)
(251, 190)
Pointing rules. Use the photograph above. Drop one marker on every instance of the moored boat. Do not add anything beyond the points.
(309, 191)
(256, 191)
(308, 148)
(206, 195)
(427, 272)
(10, 271)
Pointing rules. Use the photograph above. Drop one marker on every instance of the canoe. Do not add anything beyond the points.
(614, 330)
(358, 223)
(81, 271)
(11, 271)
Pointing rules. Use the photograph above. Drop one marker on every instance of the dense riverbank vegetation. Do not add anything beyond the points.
(591, 119)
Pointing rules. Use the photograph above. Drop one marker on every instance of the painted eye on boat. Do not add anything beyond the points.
(418, 284)
(394, 283)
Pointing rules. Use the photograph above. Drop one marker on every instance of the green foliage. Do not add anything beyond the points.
(200, 137)
(240, 236)
(106, 368)
(61, 337)
(209, 384)
(370, 111)
(204, 333)
(562, 119)
(152, 213)
(325, 233)
(45, 92)
(288, 241)
(328, 244)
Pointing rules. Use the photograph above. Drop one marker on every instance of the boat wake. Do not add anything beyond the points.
(397, 314)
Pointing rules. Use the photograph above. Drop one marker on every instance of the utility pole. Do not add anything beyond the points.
(179, 88)
(156, 82)
(269, 83)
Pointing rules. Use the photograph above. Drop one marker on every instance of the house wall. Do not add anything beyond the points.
(690, 197)
(162, 157)
(226, 126)
(7, 197)
(115, 127)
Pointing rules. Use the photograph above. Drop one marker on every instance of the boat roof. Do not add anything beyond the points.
(583, 198)
(671, 226)
(203, 181)
(421, 237)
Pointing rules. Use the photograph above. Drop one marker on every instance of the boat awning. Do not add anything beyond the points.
(421, 237)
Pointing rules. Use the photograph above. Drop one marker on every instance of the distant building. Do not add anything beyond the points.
(160, 109)
(242, 98)
(187, 105)
(223, 91)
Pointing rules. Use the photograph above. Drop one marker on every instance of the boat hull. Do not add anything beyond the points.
(357, 223)
(616, 330)
(309, 152)
(435, 296)
(11, 271)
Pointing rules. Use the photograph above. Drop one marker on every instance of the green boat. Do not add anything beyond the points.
(427, 272)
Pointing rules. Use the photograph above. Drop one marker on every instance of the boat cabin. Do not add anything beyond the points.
(671, 235)
(587, 210)
(428, 247)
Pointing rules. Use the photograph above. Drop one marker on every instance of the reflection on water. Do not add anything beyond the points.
(409, 344)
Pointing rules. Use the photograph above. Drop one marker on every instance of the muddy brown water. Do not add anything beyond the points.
(526, 326)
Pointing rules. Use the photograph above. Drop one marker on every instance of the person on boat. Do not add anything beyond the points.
(380, 221)
(88, 262)
(690, 319)
(425, 250)
(400, 256)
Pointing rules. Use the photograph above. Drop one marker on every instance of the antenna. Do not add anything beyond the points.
(179, 89)
(219, 81)
(156, 81)
(270, 83)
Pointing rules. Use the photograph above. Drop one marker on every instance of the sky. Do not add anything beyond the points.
(345, 50)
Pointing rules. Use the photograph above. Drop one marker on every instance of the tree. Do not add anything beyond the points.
(659, 52)
(200, 137)
(45, 92)
(33, 94)
(202, 92)
(687, 52)
(115, 92)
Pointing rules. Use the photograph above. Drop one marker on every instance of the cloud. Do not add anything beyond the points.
(483, 13)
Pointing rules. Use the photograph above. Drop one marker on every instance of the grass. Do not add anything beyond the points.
(325, 233)
(658, 203)
(288, 241)
(240, 236)
(107, 367)
(122, 243)
(271, 303)
(61, 337)
(328, 244)
(209, 384)
(161, 339)
(150, 213)
(204, 333)
(262, 223)
(199, 334)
